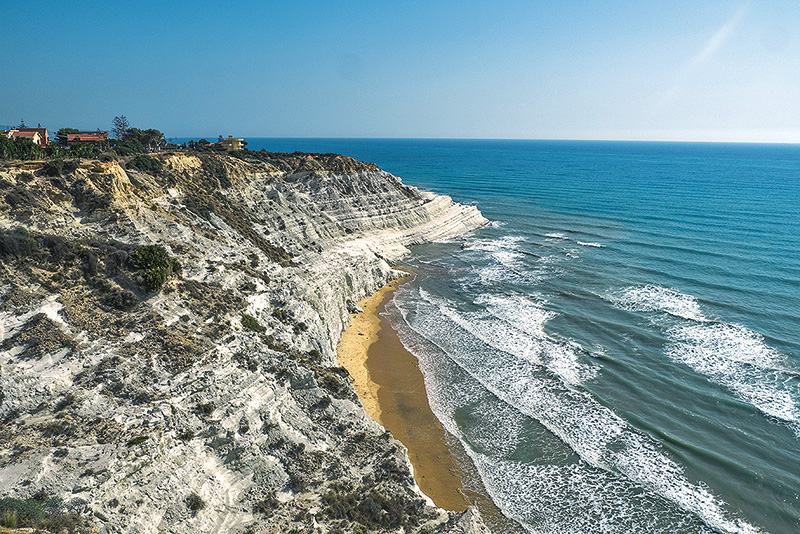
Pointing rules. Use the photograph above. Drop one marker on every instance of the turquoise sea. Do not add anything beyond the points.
(619, 351)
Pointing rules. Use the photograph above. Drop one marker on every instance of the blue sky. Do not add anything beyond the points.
(681, 70)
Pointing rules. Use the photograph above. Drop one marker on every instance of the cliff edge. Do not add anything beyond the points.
(168, 327)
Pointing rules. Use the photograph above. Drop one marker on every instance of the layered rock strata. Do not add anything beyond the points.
(168, 342)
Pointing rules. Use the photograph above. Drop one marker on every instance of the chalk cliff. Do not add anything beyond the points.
(168, 332)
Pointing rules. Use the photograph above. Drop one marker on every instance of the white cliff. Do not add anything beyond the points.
(212, 403)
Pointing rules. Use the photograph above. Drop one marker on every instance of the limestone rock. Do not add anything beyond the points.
(212, 403)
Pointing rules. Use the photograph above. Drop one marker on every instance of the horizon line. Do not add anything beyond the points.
(577, 139)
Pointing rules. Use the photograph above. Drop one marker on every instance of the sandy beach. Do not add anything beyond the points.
(388, 381)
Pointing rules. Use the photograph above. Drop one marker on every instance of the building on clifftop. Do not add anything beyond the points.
(38, 136)
(231, 143)
(87, 137)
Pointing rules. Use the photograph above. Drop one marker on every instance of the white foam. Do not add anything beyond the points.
(585, 244)
(658, 299)
(602, 439)
(553, 496)
(576, 499)
(740, 360)
(556, 235)
(508, 242)
(515, 325)
(728, 354)
(524, 313)
(504, 262)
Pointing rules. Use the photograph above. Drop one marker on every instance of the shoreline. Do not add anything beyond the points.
(390, 385)
(387, 379)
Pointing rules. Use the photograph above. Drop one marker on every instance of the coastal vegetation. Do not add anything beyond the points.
(40, 512)
(128, 141)
(154, 264)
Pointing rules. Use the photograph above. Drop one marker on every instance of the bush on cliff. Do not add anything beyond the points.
(145, 164)
(251, 323)
(154, 265)
(373, 509)
(59, 167)
(38, 512)
(17, 244)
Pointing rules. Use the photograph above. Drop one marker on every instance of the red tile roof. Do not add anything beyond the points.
(91, 137)
(30, 131)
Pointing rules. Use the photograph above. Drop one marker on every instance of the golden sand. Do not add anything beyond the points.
(388, 381)
(356, 340)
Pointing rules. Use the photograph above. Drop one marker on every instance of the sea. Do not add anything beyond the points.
(618, 351)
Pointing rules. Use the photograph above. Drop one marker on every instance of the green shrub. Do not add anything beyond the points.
(251, 323)
(195, 503)
(145, 164)
(121, 299)
(154, 265)
(39, 512)
(136, 441)
(266, 506)
(372, 509)
(58, 167)
(186, 436)
(17, 243)
(205, 409)
(300, 327)
(280, 314)
(17, 196)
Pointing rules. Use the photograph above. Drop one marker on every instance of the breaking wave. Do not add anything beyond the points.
(730, 355)
(620, 481)
(658, 299)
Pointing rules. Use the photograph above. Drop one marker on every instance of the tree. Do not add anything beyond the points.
(152, 139)
(121, 127)
(20, 148)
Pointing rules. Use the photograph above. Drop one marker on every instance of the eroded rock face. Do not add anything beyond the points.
(214, 403)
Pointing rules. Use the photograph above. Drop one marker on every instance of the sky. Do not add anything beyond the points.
(646, 70)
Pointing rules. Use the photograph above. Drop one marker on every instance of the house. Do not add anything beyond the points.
(87, 137)
(38, 136)
(232, 144)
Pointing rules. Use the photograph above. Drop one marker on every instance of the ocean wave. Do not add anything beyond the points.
(740, 360)
(501, 260)
(576, 499)
(558, 493)
(507, 242)
(658, 299)
(587, 244)
(728, 354)
(601, 439)
(515, 324)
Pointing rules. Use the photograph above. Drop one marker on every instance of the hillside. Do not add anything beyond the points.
(168, 328)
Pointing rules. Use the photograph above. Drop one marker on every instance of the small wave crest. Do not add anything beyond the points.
(504, 260)
(516, 324)
(741, 360)
(658, 299)
(728, 354)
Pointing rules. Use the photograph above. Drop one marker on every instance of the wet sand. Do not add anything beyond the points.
(392, 389)
(388, 381)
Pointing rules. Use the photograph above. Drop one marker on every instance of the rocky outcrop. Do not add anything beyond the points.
(168, 342)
